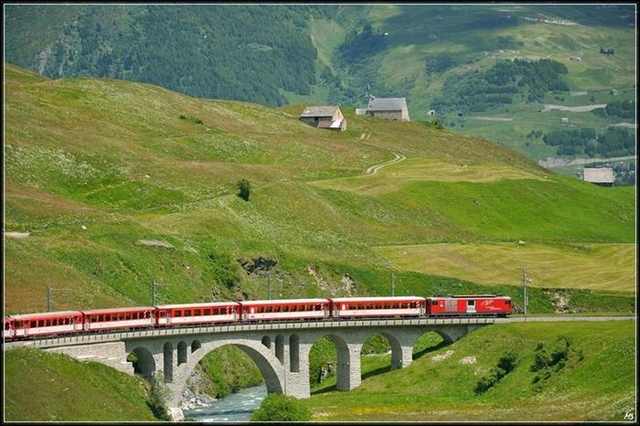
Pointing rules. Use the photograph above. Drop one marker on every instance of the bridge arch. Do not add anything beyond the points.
(394, 343)
(343, 359)
(144, 364)
(167, 357)
(270, 367)
(182, 352)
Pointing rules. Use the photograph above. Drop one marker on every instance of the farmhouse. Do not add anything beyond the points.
(389, 108)
(600, 176)
(324, 117)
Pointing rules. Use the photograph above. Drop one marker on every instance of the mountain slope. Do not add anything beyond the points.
(122, 184)
(441, 57)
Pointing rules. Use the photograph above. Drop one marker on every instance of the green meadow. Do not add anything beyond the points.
(591, 379)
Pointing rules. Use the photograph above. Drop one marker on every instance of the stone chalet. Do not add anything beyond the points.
(324, 117)
(389, 108)
(600, 176)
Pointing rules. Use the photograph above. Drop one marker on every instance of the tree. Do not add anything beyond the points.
(244, 189)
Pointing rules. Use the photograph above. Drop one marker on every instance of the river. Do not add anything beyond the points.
(235, 407)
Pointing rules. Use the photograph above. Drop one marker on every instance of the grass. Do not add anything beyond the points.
(94, 166)
(42, 386)
(600, 386)
(609, 267)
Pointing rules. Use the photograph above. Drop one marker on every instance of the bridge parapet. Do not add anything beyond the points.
(90, 339)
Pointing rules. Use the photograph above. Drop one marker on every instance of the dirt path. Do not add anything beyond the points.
(374, 169)
(491, 118)
(584, 108)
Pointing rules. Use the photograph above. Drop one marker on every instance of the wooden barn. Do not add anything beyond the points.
(388, 108)
(324, 117)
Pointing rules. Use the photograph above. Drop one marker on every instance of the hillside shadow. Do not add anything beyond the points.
(425, 351)
(323, 390)
(376, 372)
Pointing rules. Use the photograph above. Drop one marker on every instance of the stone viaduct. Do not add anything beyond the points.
(280, 350)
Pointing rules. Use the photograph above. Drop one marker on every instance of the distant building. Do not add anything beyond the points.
(324, 117)
(388, 108)
(600, 176)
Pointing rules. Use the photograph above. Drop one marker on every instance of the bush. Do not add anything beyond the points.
(244, 189)
(506, 364)
(545, 363)
(277, 407)
(157, 397)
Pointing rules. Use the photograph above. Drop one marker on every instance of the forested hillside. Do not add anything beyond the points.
(228, 52)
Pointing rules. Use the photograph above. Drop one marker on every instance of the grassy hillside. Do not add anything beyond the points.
(548, 265)
(42, 386)
(121, 184)
(591, 379)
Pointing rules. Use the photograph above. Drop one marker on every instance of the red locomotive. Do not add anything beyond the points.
(464, 305)
(51, 324)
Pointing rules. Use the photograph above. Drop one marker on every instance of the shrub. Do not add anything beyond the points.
(244, 189)
(157, 397)
(506, 364)
(195, 120)
(545, 363)
(277, 407)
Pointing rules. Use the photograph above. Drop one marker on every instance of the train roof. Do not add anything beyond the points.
(468, 296)
(118, 310)
(281, 301)
(196, 305)
(377, 299)
(45, 315)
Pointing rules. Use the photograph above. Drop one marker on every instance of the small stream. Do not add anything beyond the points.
(234, 407)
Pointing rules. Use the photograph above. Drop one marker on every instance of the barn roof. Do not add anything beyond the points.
(319, 111)
(599, 175)
(387, 104)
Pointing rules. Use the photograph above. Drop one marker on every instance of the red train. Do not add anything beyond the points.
(51, 324)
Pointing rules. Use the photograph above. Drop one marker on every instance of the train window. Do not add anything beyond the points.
(177, 314)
